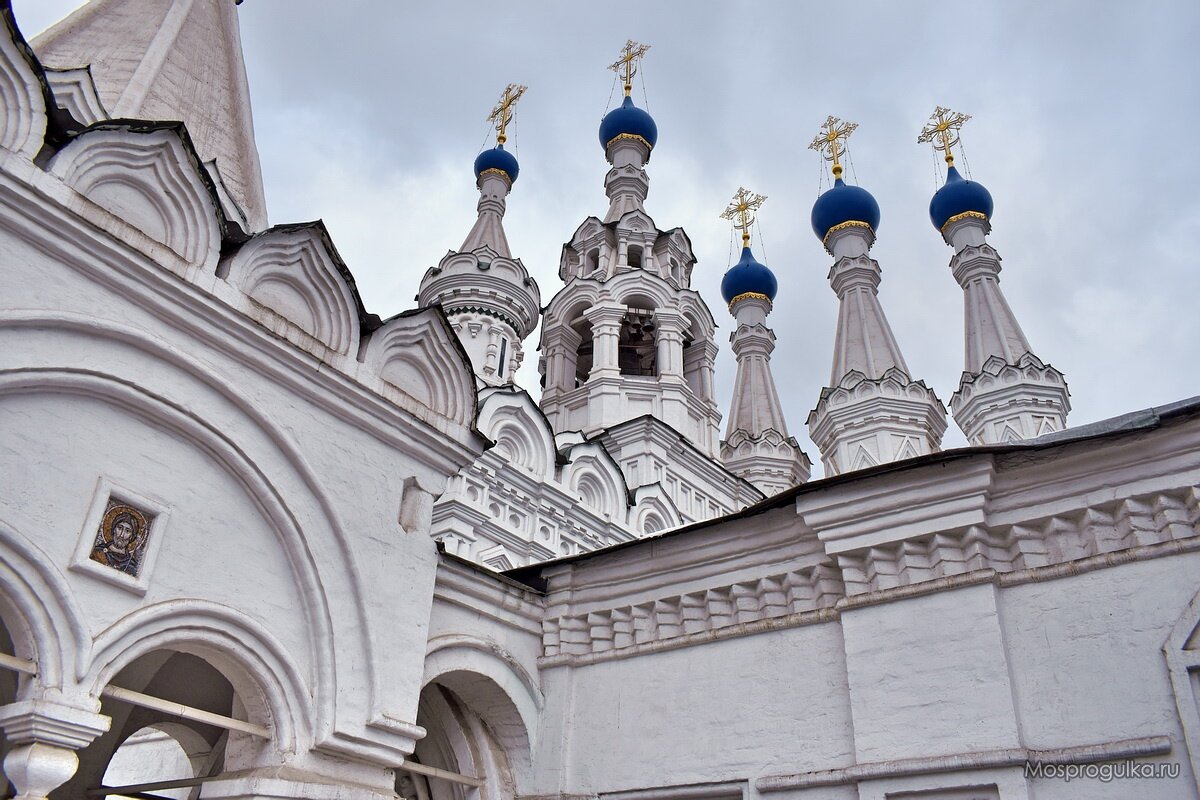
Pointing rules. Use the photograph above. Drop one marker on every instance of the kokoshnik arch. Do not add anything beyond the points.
(257, 542)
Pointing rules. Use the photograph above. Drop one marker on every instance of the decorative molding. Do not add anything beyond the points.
(862, 422)
(961, 762)
(1004, 402)
(698, 615)
(1104, 528)
(149, 180)
(290, 274)
(418, 356)
(23, 124)
(75, 92)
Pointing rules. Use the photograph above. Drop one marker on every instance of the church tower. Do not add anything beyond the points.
(627, 345)
(872, 412)
(1006, 392)
(492, 302)
(757, 446)
(628, 336)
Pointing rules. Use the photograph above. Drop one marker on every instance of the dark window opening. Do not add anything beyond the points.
(637, 351)
(635, 256)
(583, 355)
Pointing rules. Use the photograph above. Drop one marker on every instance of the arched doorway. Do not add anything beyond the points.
(150, 745)
(473, 729)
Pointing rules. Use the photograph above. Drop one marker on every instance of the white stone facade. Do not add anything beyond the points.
(218, 476)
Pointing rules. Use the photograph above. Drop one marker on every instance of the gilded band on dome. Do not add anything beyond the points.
(632, 136)
(850, 223)
(497, 171)
(965, 215)
(748, 296)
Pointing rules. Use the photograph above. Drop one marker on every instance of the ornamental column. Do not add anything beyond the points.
(606, 335)
(43, 737)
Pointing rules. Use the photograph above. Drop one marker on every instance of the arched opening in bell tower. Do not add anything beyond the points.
(637, 345)
(584, 352)
(695, 367)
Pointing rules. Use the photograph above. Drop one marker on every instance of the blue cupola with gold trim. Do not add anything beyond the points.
(628, 120)
(842, 205)
(959, 197)
(497, 159)
(748, 277)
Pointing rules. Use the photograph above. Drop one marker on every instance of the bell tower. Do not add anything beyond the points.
(627, 344)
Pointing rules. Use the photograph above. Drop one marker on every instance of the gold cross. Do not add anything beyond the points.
(502, 114)
(631, 53)
(741, 212)
(942, 131)
(830, 141)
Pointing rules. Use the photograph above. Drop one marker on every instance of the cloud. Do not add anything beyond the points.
(369, 115)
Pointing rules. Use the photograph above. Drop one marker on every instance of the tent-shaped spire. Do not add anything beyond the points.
(171, 60)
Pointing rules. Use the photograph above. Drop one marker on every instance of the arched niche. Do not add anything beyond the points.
(23, 124)
(163, 751)
(520, 431)
(653, 510)
(417, 355)
(294, 272)
(480, 713)
(197, 671)
(1182, 650)
(595, 478)
(150, 179)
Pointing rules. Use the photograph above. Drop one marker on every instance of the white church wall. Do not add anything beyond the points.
(928, 676)
(1088, 662)
(285, 490)
(681, 716)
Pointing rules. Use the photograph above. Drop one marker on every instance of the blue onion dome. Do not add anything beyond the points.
(957, 197)
(841, 204)
(499, 159)
(748, 276)
(628, 120)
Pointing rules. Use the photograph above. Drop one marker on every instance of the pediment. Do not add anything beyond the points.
(150, 179)
(75, 92)
(521, 433)
(23, 124)
(293, 272)
(417, 357)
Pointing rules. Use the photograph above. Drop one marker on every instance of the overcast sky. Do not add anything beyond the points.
(369, 115)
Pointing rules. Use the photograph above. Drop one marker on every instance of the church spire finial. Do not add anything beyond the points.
(830, 141)
(626, 65)
(502, 114)
(741, 211)
(942, 131)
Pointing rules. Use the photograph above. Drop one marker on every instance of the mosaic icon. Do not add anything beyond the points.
(121, 541)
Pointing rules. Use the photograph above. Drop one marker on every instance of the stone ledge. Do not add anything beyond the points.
(986, 759)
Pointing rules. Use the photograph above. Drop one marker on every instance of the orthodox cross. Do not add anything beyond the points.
(831, 141)
(741, 212)
(626, 65)
(502, 114)
(942, 131)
